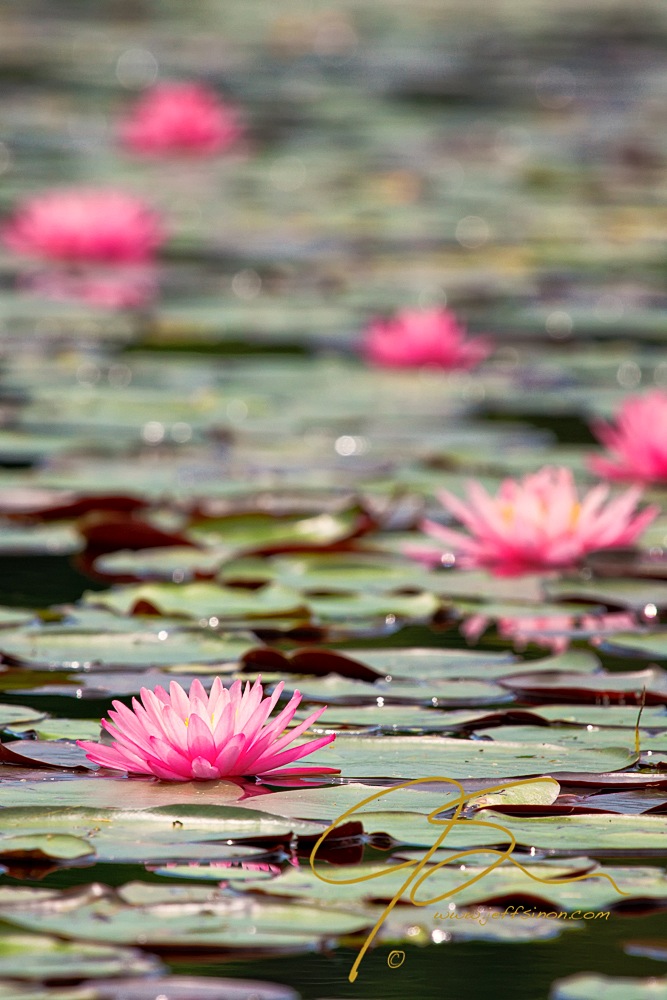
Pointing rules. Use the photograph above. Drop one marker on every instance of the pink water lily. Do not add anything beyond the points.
(637, 442)
(198, 737)
(420, 338)
(115, 287)
(180, 118)
(85, 226)
(537, 523)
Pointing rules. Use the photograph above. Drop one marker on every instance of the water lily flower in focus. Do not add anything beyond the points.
(198, 737)
(180, 118)
(637, 442)
(537, 523)
(85, 226)
(416, 338)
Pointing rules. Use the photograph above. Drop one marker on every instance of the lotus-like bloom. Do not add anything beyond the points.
(180, 118)
(85, 226)
(418, 338)
(638, 442)
(200, 737)
(537, 523)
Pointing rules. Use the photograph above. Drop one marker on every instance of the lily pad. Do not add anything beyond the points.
(174, 564)
(471, 883)
(602, 688)
(633, 594)
(65, 649)
(201, 600)
(589, 986)
(342, 607)
(439, 693)
(426, 756)
(468, 663)
(13, 715)
(647, 646)
(227, 925)
(61, 847)
(188, 988)
(40, 956)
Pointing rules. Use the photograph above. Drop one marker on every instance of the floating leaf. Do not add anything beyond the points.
(227, 925)
(17, 715)
(634, 594)
(39, 956)
(61, 846)
(65, 648)
(589, 986)
(647, 646)
(426, 756)
(601, 688)
(201, 600)
(442, 693)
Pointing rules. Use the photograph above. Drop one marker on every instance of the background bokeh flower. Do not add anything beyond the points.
(180, 118)
(85, 225)
(423, 337)
(538, 523)
(636, 442)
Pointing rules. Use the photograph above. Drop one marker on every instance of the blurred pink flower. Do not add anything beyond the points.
(553, 632)
(108, 288)
(637, 442)
(180, 118)
(200, 737)
(418, 338)
(85, 225)
(538, 523)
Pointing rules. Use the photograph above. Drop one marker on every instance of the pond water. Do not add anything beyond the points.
(204, 471)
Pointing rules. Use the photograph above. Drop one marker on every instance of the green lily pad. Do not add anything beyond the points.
(623, 716)
(12, 617)
(252, 531)
(64, 648)
(13, 715)
(468, 663)
(602, 833)
(60, 846)
(632, 594)
(51, 540)
(647, 646)
(589, 986)
(592, 736)
(201, 600)
(60, 729)
(388, 717)
(602, 887)
(12, 991)
(172, 564)
(342, 607)
(600, 688)
(225, 925)
(445, 693)
(158, 835)
(40, 956)
(346, 572)
(426, 756)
